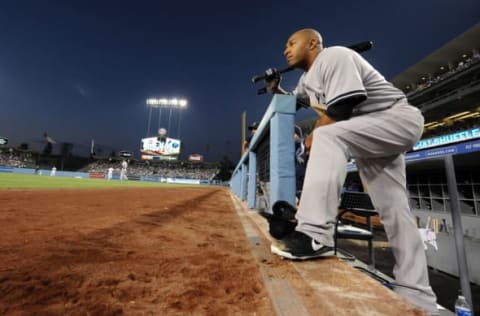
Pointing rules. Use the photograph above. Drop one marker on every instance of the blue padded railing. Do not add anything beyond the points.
(276, 126)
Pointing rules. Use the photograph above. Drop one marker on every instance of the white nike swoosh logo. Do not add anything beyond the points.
(316, 246)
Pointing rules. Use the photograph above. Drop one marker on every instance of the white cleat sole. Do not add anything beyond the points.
(274, 249)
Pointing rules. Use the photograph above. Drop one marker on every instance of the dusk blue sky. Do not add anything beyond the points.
(83, 69)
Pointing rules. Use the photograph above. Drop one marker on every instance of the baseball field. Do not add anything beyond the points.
(96, 247)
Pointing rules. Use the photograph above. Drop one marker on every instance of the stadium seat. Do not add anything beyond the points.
(358, 203)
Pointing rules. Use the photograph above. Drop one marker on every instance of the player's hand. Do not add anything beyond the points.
(323, 119)
(308, 143)
(272, 80)
(319, 108)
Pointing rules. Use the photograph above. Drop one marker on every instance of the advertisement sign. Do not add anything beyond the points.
(195, 158)
(160, 148)
(96, 175)
(459, 149)
(3, 140)
(457, 137)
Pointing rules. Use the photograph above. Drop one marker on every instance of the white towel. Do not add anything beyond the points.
(428, 237)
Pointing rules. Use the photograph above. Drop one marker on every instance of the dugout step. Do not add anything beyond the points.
(327, 286)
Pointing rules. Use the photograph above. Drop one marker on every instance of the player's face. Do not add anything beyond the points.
(296, 50)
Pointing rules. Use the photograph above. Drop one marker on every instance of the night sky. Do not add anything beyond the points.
(83, 69)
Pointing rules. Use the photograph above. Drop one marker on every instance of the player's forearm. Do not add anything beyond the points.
(279, 90)
(324, 119)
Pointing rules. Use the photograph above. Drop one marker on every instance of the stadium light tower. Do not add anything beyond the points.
(165, 103)
(183, 106)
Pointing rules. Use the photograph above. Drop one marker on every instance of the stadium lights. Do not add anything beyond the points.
(430, 124)
(167, 103)
(469, 115)
(456, 115)
(436, 125)
(172, 104)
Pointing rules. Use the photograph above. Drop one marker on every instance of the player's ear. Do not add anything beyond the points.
(313, 44)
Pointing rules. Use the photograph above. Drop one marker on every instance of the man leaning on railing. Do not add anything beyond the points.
(365, 116)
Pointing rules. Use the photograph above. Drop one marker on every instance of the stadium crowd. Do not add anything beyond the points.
(165, 169)
(14, 158)
(427, 82)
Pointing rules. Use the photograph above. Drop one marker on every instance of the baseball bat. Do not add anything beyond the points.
(358, 47)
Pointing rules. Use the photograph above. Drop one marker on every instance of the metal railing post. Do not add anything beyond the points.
(243, 182)
(252, 179)
(458, 229)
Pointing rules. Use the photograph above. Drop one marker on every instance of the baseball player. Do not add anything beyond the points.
(123, 171)
(252, 128)
(109, 173)
(369, 119)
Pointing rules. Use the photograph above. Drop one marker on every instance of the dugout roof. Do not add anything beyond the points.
(450, 52)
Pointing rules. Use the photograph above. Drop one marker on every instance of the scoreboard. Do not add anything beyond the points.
(160, 148)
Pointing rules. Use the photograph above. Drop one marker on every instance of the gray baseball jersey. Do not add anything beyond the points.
(378, 142)
(339, 73)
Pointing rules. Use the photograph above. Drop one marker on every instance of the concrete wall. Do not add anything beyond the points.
(445, 258)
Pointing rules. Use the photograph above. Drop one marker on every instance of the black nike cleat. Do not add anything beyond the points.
(298, 246)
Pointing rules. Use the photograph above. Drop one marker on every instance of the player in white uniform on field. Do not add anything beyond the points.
(123, 171)
(370, 120)
(109, 173)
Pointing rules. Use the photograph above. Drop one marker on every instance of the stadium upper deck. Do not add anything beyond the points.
(447, 81)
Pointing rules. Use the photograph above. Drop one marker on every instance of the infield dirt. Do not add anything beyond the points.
(126, 252)
(166, 251)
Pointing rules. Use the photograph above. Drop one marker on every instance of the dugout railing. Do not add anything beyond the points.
(270, 156)
(270, 159)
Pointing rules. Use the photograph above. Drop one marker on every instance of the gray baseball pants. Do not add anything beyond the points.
(377, 141)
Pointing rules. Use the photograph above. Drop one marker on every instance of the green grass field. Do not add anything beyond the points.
(21, 181)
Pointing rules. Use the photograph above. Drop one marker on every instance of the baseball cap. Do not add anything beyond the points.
(254, 125)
